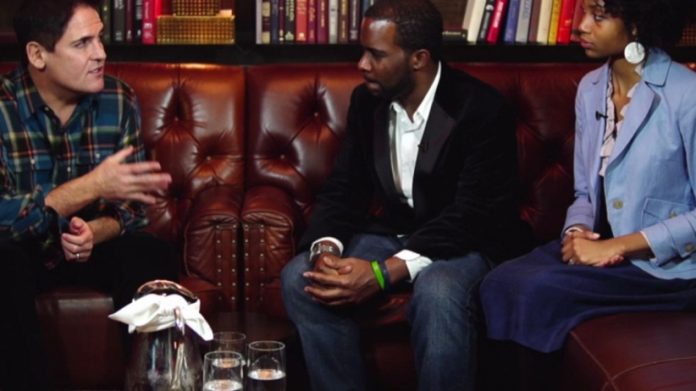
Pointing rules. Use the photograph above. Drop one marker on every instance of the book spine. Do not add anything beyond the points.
(577, 18)
(281, 21)
(290, 21)
(138, 21)
(534, 21)
(301, 21)
(488, 9)
(475, 23)
(511, 22)
(523, 19)
(565, 21)
(130, 14)
(274, 21)
(311, 21)
(265, 22)
(542, 36)
(343, 18)
(105, 11)
(333, 21)
(152, 9)
(554, 22)
(118, 16)
(354, 21)
(322, 21)
(497, 22)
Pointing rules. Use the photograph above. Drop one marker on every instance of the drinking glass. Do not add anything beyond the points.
(229, 341)
(222, 371)
(266, 366)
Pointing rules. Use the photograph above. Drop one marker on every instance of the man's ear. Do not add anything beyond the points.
(419, 59)
(35, 55)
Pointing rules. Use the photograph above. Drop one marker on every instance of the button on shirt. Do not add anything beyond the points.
(38, 153)
(405, 135)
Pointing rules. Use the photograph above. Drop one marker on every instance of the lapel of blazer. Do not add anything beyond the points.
(381, 149)
(654, 73)
(437, 131)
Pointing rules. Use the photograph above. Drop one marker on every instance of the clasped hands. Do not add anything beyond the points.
(584, 247)
(336, 281)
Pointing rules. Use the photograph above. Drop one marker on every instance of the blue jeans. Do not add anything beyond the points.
(443, 313)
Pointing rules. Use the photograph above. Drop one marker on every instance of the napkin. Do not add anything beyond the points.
(154, 312)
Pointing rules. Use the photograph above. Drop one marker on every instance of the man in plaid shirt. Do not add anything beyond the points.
(73, 179)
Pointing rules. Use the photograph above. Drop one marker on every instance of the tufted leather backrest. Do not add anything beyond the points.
(543, 96)
(193, 124)
(297, 116)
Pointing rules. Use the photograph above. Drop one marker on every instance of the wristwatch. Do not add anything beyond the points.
(322, 247)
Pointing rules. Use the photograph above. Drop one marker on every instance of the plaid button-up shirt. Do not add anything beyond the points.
(37, 154)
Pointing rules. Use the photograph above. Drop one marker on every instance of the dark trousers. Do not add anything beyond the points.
(118, 266)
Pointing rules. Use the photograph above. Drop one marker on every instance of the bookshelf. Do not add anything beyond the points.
(246, 52)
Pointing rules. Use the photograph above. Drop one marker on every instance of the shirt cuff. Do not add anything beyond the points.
(332, 240)
(414, 262)
(574, 228)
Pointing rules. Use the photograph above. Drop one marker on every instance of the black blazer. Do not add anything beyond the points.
(465, 181)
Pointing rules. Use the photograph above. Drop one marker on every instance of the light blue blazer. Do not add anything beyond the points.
(650, 180)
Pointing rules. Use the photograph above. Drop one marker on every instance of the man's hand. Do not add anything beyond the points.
(78, 244)
(586, 248)
(115, 180)
(338, 282)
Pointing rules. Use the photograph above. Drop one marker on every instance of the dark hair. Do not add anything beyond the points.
(418, 24)
(659, 23)
(44, 21)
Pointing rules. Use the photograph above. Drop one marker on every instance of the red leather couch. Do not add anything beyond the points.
(248, 147)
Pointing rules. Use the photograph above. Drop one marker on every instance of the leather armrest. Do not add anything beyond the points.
(210, 241)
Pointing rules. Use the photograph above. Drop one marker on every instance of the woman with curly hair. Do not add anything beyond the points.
(629, 240)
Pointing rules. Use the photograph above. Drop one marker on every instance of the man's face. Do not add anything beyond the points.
(385, 66)
(76, 65)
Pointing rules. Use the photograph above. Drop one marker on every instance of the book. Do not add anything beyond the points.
(289, 21)
(475, 22)
(152, 9)
(578, 13)
(523, 19)
(138, 21)
(497, 21)
(565, 21)
(130, 14)
(301, 21)
(354, 21)
(265, 21)
(118, 20)
(554, 22)
(511, 22)
(466, 20)
(452, 12)
(542, 36)
(281, 21)
(343, 19)
(488, 9)
(105, 12)
(534, 21)
(322, 21)
(333, 21)
(311, 21)
(275, 20)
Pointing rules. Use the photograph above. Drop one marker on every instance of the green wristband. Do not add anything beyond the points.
(378, 274)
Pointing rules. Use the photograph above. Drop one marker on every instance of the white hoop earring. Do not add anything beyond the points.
(634, 52)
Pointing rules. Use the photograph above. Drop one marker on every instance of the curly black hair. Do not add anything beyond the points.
(658, 23)
(418, 24)
(44, 21)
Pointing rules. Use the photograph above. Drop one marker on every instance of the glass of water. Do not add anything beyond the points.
(222, 371)
(266, 370)
(229, 341)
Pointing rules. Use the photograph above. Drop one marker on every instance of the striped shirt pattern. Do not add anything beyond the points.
(37, 154)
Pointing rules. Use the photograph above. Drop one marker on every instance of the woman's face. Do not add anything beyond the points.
(602, 34)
